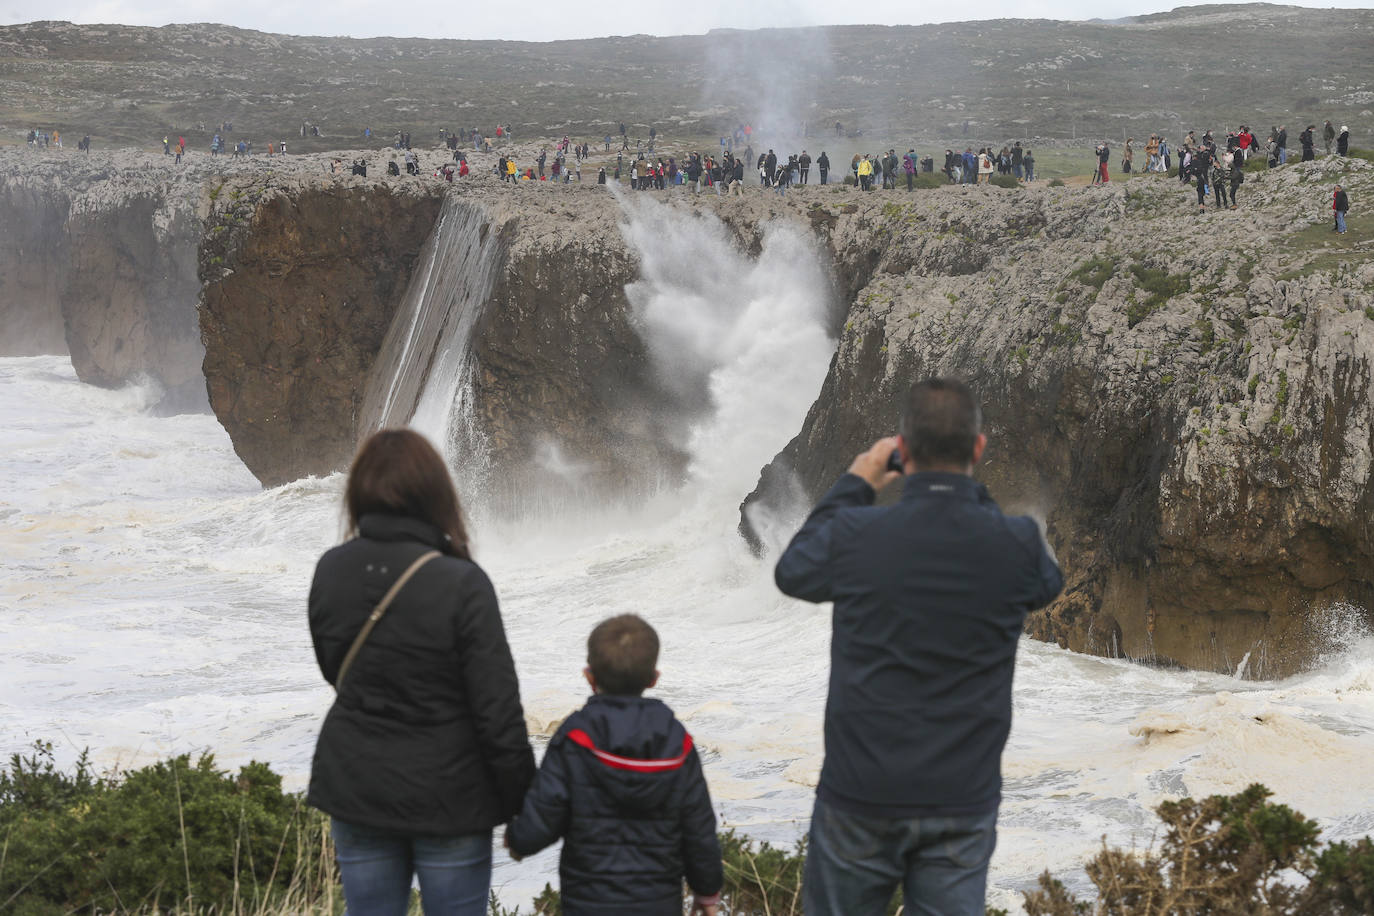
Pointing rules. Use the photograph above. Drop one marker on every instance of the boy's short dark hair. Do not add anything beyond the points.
(940, 423)
(622, 653)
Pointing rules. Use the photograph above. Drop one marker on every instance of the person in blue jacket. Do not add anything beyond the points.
(621, 784)
(929, 594)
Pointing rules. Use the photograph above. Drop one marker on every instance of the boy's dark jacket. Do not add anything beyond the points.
(622, 785)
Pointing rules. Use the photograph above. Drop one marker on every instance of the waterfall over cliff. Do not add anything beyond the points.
(423, 375)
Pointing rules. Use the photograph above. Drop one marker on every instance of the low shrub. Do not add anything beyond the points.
(1224, 854)
(1004, 181)
(1161, 286)
(1056, 182)
(176, 834)
(185, 837)
(1095, 271)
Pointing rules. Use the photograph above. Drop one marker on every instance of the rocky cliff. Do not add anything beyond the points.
(1185, 397)
(98, 259)
(301, 282)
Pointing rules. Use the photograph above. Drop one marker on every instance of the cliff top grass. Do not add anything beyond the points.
(1330, 250)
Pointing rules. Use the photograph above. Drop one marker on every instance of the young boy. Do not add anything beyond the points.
(622, 785)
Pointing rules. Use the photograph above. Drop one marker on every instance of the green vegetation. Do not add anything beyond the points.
(1282, 395)
(181, 837)
(1224, 854)
(1056, 182)
(1369, 312)
(1004, 181)
(1254, 383)
(1206, 334)
(1095, 272)
(926, 181)
(176, 834)
(1161, 286)
(1326, 251)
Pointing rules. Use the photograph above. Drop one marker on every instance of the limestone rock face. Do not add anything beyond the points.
(33, 245)
(1185, 398)
(563, 385)
(98, 259)
(128, 303)
(301, 280)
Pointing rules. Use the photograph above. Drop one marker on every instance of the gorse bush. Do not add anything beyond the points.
(1224, 854)
(174, 835)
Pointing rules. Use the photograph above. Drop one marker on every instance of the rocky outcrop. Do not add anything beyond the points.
(128, 303)
(98, 259)
(301, 279)
(1186, 399)
(33, 248)
(563, 386)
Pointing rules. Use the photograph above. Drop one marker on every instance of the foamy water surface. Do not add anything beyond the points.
(154, 602)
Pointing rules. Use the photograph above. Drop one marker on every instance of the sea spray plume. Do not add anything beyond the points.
(771, 79)
(743, 340)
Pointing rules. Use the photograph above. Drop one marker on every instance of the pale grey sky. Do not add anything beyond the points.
(542, 20)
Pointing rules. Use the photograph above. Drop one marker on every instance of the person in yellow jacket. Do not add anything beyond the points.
(510, 169)
(866, 174)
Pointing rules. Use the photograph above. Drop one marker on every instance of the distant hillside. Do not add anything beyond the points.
(1190, 68)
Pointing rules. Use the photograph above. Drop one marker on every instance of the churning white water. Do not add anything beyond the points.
(153, 600)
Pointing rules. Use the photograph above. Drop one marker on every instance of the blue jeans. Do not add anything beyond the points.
(855, 863)
(376, 868)
(1340, 220)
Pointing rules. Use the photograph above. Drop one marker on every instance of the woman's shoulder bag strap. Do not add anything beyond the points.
(377, 613)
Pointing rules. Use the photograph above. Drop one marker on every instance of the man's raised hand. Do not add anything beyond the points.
(872, 464)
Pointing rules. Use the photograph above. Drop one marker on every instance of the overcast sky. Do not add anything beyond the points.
(541, 20)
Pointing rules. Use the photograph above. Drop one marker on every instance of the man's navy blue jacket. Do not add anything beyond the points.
(930, 595)
(622, 785)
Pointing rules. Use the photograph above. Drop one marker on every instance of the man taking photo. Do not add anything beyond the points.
(929, 598)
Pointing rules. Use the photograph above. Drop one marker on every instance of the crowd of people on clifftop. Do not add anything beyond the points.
(1217, 169)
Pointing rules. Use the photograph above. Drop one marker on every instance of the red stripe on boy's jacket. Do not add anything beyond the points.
(582, 739)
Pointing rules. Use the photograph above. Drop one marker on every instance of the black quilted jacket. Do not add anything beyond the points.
(427, 737)
(622, 785)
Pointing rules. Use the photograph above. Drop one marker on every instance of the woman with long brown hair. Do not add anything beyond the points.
(424, 751)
